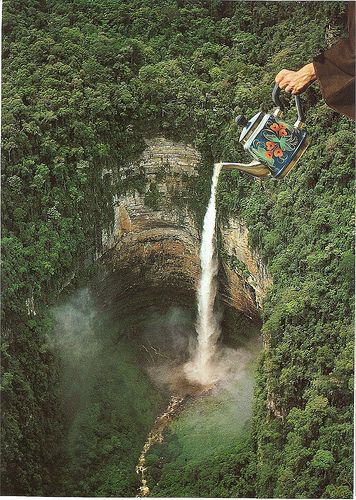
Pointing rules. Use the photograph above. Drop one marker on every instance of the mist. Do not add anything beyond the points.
(170, 343)
(73, 335)
(79, 351)
(171, 333)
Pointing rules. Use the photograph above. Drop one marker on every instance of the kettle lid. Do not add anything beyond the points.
(248, 125)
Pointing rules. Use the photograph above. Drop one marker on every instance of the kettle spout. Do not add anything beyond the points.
(254, 168)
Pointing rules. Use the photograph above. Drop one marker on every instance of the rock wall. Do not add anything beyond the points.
(154, 241)
(167, 166)
(245, 276)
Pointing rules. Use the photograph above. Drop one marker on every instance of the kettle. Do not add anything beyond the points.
(275, 144)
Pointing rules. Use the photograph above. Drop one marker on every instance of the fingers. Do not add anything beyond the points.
(286, 79)
(295, 82)
(286, 85)
(281, 75)
(283, 84)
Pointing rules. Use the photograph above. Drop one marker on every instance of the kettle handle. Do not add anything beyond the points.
(275, 97)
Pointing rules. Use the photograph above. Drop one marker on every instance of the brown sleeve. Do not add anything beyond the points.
(335, 70)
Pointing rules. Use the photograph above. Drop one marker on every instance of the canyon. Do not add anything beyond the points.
(151, 248)
(149, 269)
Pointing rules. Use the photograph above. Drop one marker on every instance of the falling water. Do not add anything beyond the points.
(208, 327)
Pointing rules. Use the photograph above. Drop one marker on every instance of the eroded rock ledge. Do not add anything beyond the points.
(152, 252)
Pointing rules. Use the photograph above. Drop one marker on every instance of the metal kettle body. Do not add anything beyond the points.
(275, 144)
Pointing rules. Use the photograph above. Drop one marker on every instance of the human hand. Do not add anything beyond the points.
(295, 82)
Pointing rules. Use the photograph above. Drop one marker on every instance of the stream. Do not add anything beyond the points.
(156, 436)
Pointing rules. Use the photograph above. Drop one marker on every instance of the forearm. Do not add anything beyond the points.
(308, 72)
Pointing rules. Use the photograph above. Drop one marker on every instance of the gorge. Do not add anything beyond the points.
(148, 276)
(167, 352)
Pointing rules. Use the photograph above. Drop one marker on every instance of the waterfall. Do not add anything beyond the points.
(199, 369)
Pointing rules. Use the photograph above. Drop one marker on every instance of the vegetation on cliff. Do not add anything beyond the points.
(83, 83)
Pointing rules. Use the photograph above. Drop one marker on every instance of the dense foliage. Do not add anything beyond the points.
(303, 418)
(83, 83)
(108, 401)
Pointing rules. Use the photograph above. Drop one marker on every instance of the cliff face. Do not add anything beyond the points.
(246, 278)
(152, 251)
(166, 166)
(154, 243)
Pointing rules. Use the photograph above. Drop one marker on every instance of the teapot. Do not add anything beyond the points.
(275, 144)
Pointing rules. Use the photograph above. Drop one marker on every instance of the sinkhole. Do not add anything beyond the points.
(121, 344)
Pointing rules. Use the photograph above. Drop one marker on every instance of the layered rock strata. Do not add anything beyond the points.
(245, 276)
(153, 246)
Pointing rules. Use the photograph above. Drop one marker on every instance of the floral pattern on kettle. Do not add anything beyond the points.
(276, 143)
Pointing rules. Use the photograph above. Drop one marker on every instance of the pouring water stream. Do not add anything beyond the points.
(198, 370)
